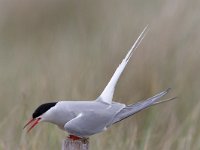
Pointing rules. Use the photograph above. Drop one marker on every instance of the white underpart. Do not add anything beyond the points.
(107, 94)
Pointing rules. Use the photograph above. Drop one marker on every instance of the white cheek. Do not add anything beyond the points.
(48, 115)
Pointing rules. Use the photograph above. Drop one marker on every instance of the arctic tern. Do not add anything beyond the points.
(81, 119)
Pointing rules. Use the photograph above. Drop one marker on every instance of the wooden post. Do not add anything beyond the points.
(81, 144)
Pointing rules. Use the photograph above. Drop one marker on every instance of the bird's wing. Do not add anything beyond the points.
(107, 94)
(92, 119)
(88, 123)
(134, 108)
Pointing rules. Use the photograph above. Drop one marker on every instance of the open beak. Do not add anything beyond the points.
(33, 122)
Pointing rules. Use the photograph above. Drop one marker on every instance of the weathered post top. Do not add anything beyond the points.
(70, 144)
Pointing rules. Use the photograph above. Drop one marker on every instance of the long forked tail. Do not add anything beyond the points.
(107, 94)
(134, 108)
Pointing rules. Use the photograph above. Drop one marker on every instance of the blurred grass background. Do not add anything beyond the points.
(68, 50)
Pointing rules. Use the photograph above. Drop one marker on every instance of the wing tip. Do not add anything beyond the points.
(137, 42)
(168, 89)
(166, 100)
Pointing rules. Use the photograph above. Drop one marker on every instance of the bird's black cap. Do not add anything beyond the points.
(42, 109)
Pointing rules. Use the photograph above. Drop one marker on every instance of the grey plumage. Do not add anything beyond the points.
(85, 118)
(134, 108)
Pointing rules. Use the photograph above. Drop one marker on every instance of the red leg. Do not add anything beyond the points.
(73, 137)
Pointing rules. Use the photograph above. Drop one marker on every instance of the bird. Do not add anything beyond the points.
(82, 119)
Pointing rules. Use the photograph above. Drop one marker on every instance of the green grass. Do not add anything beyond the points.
(68, 50)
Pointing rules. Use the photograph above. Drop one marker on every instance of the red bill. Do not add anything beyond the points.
(33, 122)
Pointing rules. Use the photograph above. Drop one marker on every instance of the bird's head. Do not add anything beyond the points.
(37, 115)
